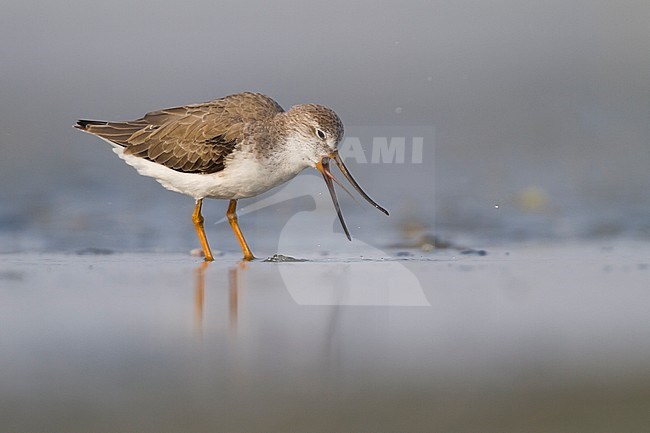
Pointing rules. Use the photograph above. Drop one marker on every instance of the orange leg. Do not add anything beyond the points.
(232, 218)
(197, 218)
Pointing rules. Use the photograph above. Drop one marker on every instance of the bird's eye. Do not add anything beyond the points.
(320, 134)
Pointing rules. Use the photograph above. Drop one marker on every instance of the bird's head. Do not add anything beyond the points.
(316, 132)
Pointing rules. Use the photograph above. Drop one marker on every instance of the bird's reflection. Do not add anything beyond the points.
(233, 295)
(199, 296)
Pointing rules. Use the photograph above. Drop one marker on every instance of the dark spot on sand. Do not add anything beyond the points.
(473, 252)
(279, 258)
(91, 251)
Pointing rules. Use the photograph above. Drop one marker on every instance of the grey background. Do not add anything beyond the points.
(540, 108)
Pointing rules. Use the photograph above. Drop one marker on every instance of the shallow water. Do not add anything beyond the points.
(533, 120)
(525, 338)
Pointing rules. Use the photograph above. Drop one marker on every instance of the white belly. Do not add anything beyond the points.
(243, 177)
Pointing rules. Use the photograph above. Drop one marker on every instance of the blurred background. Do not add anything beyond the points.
(535, 125)
(541, 112)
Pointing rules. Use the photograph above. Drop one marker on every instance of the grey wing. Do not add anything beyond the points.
(191, 139)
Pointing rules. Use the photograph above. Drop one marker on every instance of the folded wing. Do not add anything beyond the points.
(191, 139)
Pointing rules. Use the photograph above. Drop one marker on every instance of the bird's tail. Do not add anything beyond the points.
(83, 124)
(115, 132)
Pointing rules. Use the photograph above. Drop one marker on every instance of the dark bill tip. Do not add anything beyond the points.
(354, 183)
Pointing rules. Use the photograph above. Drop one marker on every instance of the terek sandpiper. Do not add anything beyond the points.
(234, 147)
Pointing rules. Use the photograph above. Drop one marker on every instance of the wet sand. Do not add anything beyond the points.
(525, 338)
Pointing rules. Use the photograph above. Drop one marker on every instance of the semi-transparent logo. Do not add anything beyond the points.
(316, 262)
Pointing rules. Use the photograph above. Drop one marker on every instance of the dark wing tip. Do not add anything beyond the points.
(83, 124)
